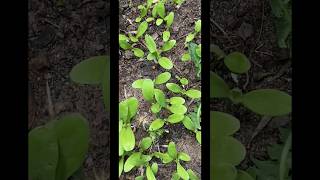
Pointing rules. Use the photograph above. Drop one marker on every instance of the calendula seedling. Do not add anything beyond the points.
(172, 155)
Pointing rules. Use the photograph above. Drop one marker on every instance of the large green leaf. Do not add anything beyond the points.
(226, 152)
(106, 86)
(172, 150)
(137, 84)
(175, 118)
(151, 45)
(269, 102)
(165, 62)
(174, 87)
(168, 45)
(165, 36)
(145, 143)
(162, 78)
(183, 156)
(149, 174)
(132, 161)
(73, 137)
(138, 52)
(169, 19)
(161, 9)
(127, 139)
(156, 124)
(121, 162)
(148, 89)
(141, 29)
(133, 105)
(160, 97)
(197, 26)
(177, 109)
(237, 62)
(89, 71)
(177, 100)
(218, 88)
(182, 172)
(193, 93)
(43, 154)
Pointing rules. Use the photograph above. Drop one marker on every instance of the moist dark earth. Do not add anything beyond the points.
(132, 68)
(62, 34)
(247, 26)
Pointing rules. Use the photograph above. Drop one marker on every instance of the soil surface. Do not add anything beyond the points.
(247, 26)
(62, 34)
(132, 68)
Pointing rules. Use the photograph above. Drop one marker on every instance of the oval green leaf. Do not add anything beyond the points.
(193, 93)
(156, 124)
(177, 100)
(89, 71)
(168, 45)
(184, 157)
(165, 62)
(151, 45)
(174, 87)
(162, 78)
(268, 102)
(127, 139)
(237, 63)
(138, 52)
(175, 118)
(165, 36)
(160, 97)
(148, 89)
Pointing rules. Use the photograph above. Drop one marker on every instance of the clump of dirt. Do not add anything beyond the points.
(132, 68)
(247, 26)
(60, 36)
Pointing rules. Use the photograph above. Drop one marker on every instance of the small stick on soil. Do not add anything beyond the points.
(50, 106)
(51, 23)
(247, 81)
(220, 28)
(125, 92)
(263, 123)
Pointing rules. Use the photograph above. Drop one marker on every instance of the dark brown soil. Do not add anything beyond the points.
(132, 68)
(247, 26)
(59, 38)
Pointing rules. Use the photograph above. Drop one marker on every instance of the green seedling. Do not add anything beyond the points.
(138, 159)
(127, 111)
(94, 71)
(172, 155)
(57, 150)
(178, 2)
(154, 53)
(226, 152)
(192, 35)
(282, 11)
(279, 165)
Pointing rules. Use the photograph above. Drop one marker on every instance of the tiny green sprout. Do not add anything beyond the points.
(163, 78)
(165, 62)
(168, 45)
(169, 19)
(197, 27)
(159, 22)
(160, 9)
(189, 37)
(149, 19)
(165, 36)
(186, 57)
(124, 42)
(142, 29)
(138, 52)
